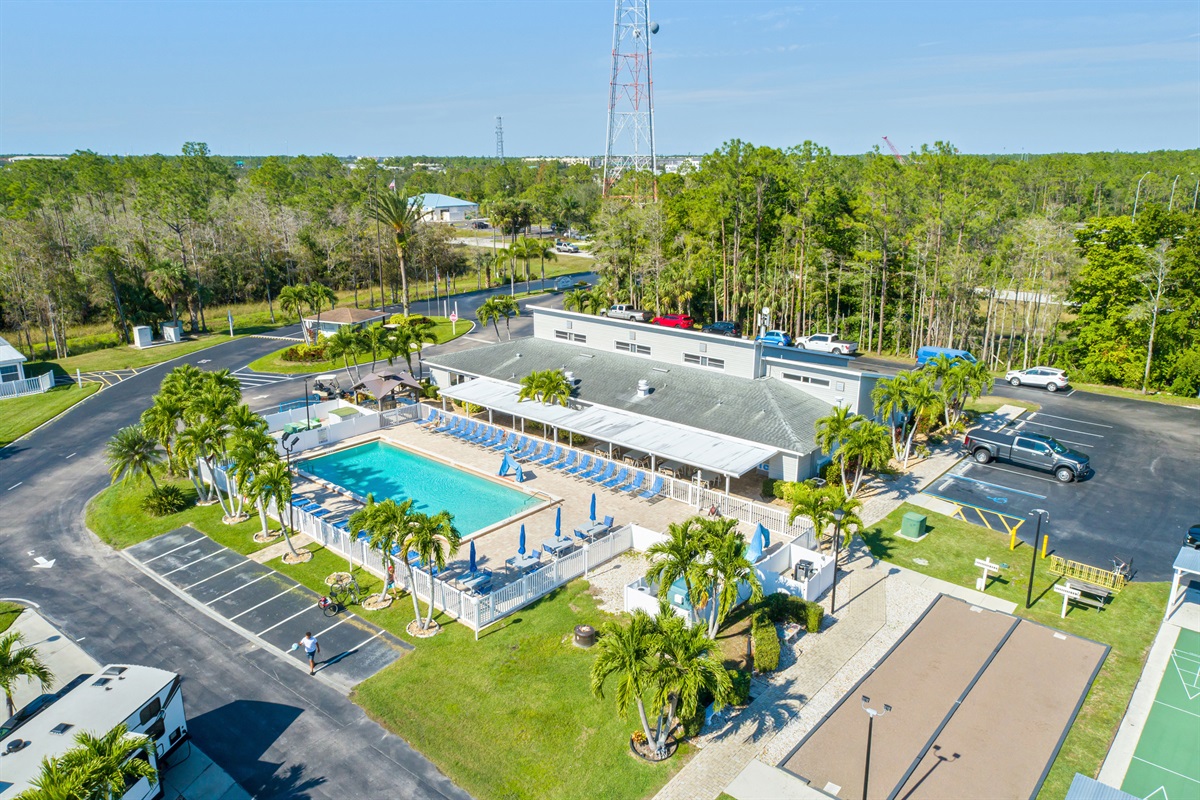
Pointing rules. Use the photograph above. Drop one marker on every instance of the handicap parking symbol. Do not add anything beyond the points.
(1000, 500)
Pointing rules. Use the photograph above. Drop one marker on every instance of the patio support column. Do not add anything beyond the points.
(522, 424)
(443, 402)
(727, 486)
(489, 416)
(652, 463)
(610, 451)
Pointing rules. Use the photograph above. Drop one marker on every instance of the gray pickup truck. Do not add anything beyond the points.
(1027, 449)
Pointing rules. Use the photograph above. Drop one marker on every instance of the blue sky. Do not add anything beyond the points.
(429, 77)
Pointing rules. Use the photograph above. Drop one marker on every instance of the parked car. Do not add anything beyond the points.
(479, 225)
(925, 354)
(625, 311)
(827, 343)
(566, 247)
(780, 338)
(674, 321)
(1028, 449)
(1048, 377)
(1192, 539)
(723, 328)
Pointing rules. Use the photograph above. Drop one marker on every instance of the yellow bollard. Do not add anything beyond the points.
(1045, 544)
(1012, 539)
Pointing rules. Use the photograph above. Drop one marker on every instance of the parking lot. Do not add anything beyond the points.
(269, 605)
(1143, 493)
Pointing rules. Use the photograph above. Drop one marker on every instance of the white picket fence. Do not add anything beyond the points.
(400, 414)
(747, 511)
(35, 385)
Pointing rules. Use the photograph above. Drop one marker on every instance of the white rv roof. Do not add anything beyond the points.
(97, 705)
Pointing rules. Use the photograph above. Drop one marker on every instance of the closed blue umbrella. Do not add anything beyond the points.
(471, 563)
(593, 510)
(762, 531)
(558, 522)
(520, 474)
(505, 465)
(521, 541)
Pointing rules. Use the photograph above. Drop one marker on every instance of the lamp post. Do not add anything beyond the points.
(307, 420)
(1037, 537)
(1138, 194)
(288, 447)
(838, 516)
(871, 715)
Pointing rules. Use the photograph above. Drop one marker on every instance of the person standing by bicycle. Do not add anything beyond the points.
(312, 649)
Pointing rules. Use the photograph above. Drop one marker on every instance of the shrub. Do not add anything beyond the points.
(766, 642)
(430, 391)
(741, 687)
(813, 616)
(164, 500)
(768, 488)
(471, 408)
(305, 353)
(785, 608)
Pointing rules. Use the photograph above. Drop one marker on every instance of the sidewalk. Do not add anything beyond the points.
(188, 774)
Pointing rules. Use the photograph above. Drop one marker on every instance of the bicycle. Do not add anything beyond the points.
(346, 592)
(328, 606)
(1122, 569)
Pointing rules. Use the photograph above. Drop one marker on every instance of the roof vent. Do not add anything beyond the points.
(15, 745)
(643, 389)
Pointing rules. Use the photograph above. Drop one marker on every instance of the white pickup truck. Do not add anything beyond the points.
(827, 343)
(623, 311)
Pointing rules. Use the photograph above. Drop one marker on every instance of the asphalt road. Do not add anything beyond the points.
(277, 731)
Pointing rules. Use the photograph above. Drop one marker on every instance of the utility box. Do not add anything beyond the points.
(143, 335)
(913, 526)
(172, 331)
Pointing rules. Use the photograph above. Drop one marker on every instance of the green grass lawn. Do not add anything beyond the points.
(129, 357)
(1135, 394)
(20, 415)
(275, 362)
(8, 614)
(116, 516)
(1128, 625)
(988, 404)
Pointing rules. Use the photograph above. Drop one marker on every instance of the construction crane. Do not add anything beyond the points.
(895, 152)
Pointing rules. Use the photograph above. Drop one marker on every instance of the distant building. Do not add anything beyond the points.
(444, 208)
(569, 160)
(12, 363)
(336, 318)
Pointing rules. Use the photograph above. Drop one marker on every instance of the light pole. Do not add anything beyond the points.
(288, 447)
(1138, 194)
(1037, 538)
(307, 419)
(1171, 204)
(838, 516)
(871, 715)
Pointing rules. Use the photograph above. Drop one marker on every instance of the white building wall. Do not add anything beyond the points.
(832, 385)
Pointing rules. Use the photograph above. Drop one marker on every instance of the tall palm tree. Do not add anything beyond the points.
(358, 522)
(832, 430)
(675, 557)
(491, 310)
(209, 438)
(433, 537)
(401, 215)
(625, 654)
(543, 250)
(509, 308)
(689, 663)
(890, 398)
(726, 568)
(923, 400)
(192, 447)
(389, 528)
(841, 503)
(345, 344)
(318, 296)
(811, 503)
(161, 423)
(373, 338)
(251, 451)
(167, 280)
(413, 333)
(130, 453)
(182, 381)
(110, 761)
(576, 300)
(20, 662)
(274, 482)
(291, 300)
(868, 447)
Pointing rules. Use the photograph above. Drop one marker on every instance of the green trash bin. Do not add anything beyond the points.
(912, 526)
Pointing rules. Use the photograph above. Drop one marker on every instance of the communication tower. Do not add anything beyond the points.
(499, 139)
(630, 141)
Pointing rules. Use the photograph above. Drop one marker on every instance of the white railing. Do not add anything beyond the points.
(401, 414)
(34, 385)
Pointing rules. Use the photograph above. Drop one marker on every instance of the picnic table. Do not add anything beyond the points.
(522, 563)
(1099, 592)
(556, 546)
(637, 458)
(472, 580)
(603, 450)
(672, 468)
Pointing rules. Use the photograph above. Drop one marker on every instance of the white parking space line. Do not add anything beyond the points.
(1061, 428)
(334, 625)
(173, 549)
(1068, 441)
(222, 572)
(1068, 419)
(243, 586)
(1010, 472)
(289, 619)
(264, 602)
(197, 561)
(366, 642)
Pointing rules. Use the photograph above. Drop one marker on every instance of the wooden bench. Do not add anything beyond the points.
(1098, 592)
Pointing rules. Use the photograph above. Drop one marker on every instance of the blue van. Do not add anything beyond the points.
(927, 353)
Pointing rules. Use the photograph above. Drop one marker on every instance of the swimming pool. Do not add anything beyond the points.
(389, 471)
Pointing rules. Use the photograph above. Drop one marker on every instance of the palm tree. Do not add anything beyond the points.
(413, 333)
(345, 344)
(490, 311)
(923, 399)
(868, 447)
(292, 300)
(20, 662)
(509, 308)
(373, 338)
(182, 382)
(192, 446)
(847, 507)
(433, 537)
(689, 663)
(358, 522)
(161, 422)
(110, 762)
(166, 281)
(131, 452)
(57, 780)
(388, 527)
(810, 502)
(543, 250)
(576, 300)
(675, 557)
(625, 653)
(402, 216)
(726, 569)
(251, 451)
(274, 482)
(890, 398)
(209, 438)
(555, 389)
(317, 296)
(831, 431)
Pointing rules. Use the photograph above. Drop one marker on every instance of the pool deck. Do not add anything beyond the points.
(499, 543)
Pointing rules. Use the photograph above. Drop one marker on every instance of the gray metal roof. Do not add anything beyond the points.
(763, 410)
(1085, 788)
(666, 440)
(9, 354)
(1188, 560)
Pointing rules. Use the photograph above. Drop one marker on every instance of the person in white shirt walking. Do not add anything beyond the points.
(312, 649)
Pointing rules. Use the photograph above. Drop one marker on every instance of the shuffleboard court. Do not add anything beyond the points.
(1166, 763)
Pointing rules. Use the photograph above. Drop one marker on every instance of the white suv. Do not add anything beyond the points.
(1049, 377)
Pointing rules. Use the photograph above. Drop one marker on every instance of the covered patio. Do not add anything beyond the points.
(660, 445)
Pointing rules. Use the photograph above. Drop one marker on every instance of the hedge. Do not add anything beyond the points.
(766, 642)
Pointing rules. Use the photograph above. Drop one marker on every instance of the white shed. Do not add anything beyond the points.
(12, 363)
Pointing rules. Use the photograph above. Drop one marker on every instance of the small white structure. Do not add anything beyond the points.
(172, 332)
(796, 571)
(143, 336)
(1187, 569)
(329, 322)
(444, 208)
(148, 701)
(13, 382)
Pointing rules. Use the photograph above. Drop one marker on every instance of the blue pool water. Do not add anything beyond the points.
(390, 471)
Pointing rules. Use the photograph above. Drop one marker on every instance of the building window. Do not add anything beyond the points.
(570, 336)
(703, 347)
(841, 386)
(791, 376)
(636, 349)
(704, 361)
(457, 378)
(9, 373)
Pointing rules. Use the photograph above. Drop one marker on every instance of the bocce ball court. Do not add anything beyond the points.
(980, 702)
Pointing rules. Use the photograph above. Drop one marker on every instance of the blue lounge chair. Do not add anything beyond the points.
(432, 418)
(524, 448)
(468, 430)
(507, 442)
(495, 440)
(606, 474)
(550, 457)
(568, 462)
(620, 478)
(585, 464)
(608, 523)
(447, 424)
(635, 485)
(486, 436)
(480, 431)
(538, 452)
(598, 467)
(655, 489)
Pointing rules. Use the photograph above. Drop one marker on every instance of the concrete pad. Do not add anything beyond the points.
(934, 504)
(759, 781)
(208, 781)
(981, 599)
(183, 558)
(296, 604)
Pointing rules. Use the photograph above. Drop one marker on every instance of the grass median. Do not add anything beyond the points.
(20, 415)
(1127, 625)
